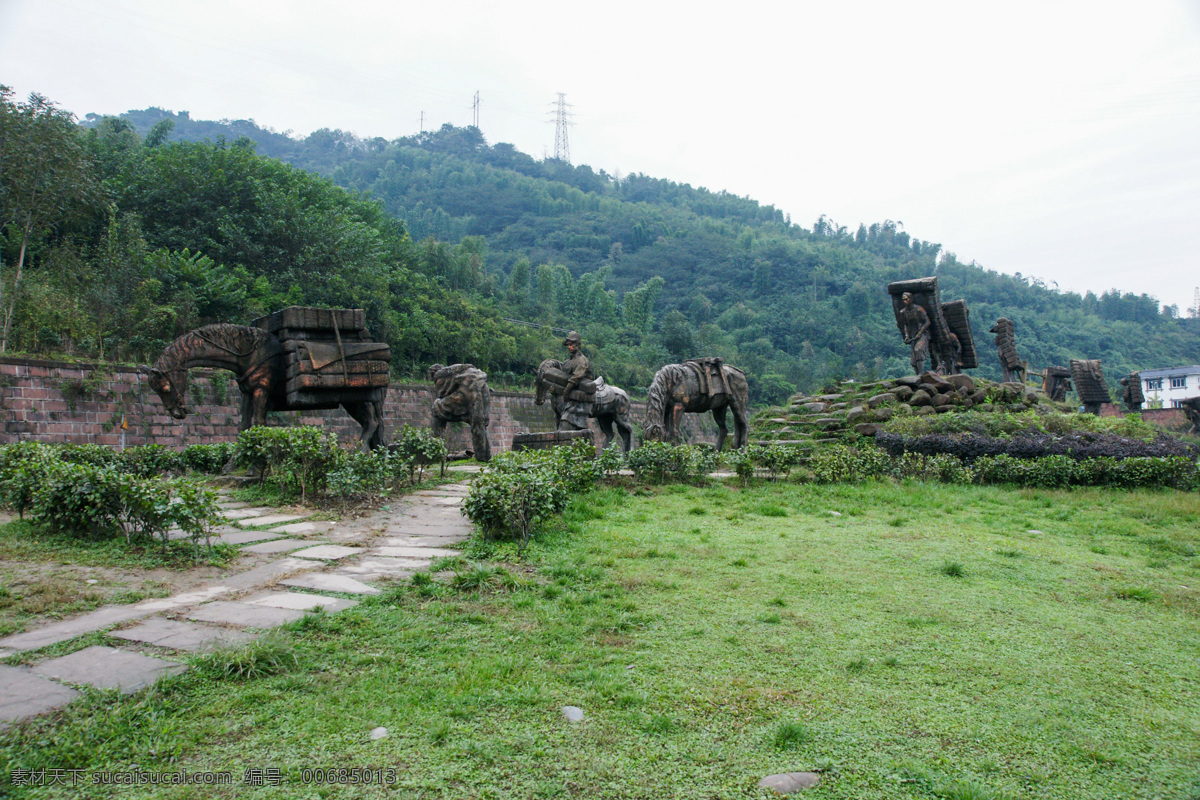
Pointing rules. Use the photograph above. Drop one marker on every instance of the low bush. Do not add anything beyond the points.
(208, 458)
(660, 461)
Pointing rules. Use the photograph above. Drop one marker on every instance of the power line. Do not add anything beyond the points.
(563, 331)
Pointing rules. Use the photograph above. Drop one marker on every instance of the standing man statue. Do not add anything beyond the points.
(916, 331)
(580, 390)
(1132, 394)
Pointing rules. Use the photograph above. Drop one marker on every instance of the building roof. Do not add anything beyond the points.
(1168, 372)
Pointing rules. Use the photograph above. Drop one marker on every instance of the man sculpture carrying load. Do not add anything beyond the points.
(580, 391)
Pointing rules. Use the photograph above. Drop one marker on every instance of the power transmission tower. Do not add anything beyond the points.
(422, 122)
(562, 148)
(1194, 311)
(475, 110)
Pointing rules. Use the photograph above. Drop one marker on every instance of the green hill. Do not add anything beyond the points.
(464, 235)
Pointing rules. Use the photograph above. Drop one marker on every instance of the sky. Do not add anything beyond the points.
(1059, 140)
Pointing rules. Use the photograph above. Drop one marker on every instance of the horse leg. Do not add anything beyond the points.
(479, 439)
(365, 414)
(719, 417)
(606, 427)
(247, 409)
(625, 430)
(674, 418)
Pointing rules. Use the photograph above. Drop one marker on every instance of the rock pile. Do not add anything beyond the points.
(858, 408)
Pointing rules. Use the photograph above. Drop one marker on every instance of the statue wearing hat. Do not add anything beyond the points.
(580, 390)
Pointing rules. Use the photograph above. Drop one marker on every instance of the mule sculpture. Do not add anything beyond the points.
(461, 394)
(609, 408)
(697, 386)
(256, 358)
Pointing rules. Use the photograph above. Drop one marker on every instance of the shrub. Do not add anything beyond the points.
(838, 463)
(659, 460)
(209, 458)
(513, 501)
(417, 448)
(299, 460)
(148, 460)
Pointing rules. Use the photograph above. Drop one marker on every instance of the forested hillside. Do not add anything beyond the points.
(444, 237)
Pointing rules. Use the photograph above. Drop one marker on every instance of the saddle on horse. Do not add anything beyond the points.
(711, 373)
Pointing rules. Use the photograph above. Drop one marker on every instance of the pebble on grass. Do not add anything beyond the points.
(789, 782)
(378, 733)
(573, 713)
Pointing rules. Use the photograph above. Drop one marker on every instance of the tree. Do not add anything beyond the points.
(46, 179)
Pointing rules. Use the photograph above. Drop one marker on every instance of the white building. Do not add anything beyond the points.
(1165, 388)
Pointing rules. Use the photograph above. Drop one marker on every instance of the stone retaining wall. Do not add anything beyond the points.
(52, 401)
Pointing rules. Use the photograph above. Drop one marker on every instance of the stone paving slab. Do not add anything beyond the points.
(56, 632)
(179, 635)
(108, 668)
(244, 615)
(304, 528)
(327, 552)
(418, 541)
(270, 572)
(375, 566)
(184, 599)
(23, 695)
(272, 519)
(415, 552)
(299, 601)
(230, 505)
(329, 582)
(245, 537)
(244, 513)
(276, 546)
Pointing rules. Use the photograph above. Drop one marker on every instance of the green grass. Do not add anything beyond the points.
(1050, 670)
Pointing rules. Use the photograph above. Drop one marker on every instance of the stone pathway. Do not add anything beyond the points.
(308, 562)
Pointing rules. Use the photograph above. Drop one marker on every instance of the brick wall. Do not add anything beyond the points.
(52, 401)
(1170, 418)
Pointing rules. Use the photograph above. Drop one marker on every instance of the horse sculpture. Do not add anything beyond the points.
(256, 358)
(610, 407)
(696, 386)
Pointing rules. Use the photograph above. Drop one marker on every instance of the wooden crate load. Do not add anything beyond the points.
(329, 356)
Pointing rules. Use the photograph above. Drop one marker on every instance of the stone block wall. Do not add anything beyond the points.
(52, 401)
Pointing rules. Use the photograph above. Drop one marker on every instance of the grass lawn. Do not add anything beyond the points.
(908, 641)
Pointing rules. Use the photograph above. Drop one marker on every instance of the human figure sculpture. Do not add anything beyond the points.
(950, 356)
(462, 395)
(1056, 383)
(610, 406)
(916, 331)
(1191, 410)
(580, 391)
(1088, 376)
(1006, 349)
(1132, 395)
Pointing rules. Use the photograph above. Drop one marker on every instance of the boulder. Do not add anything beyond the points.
(910, 381)
(961, 382)
(986, 408)
(922, 411)
(879, 399)
(883, 414)
(814, 407)
(979, 396)
(920, 398)
(903, 392)
(855, 414)
(865, 429)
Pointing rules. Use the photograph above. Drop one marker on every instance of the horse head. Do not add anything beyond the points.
(539, 381)
(653, 431)
(170, 386)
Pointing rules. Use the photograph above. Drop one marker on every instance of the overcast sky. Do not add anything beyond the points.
(1060, 140)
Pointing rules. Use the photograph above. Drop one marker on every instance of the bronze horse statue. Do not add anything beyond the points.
(256, 358)
(609, 409)
(695, 387)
